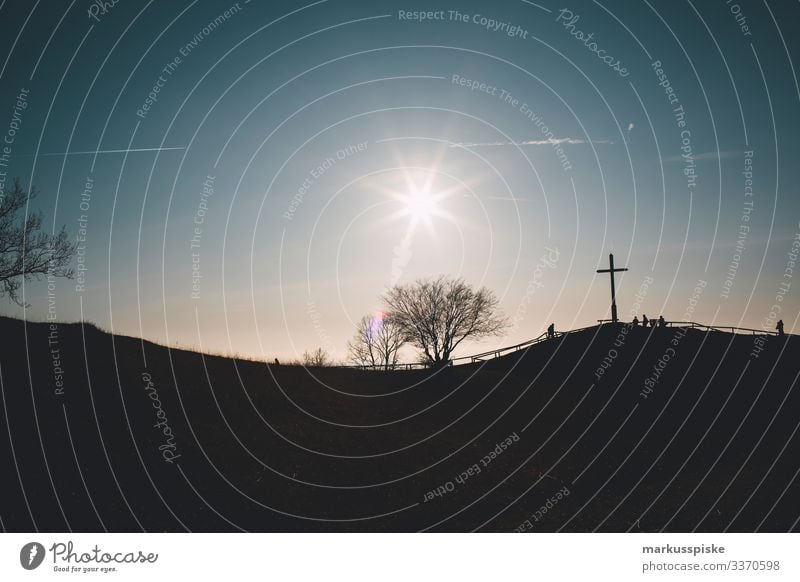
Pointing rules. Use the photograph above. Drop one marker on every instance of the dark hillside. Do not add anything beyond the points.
(144, 437)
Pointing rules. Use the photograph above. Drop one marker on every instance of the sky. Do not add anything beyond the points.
(248, 178)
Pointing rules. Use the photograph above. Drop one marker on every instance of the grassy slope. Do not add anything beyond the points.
(284, 448)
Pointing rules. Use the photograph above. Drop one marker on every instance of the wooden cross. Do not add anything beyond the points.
(611, 270)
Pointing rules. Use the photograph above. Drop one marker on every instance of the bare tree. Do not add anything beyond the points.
(318, 357)
(436, 315)
(377, 341)
(25, 251)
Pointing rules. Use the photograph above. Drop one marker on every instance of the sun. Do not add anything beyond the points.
(420, 205)
(416, 199)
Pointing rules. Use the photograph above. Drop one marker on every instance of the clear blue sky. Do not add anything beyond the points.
(350, 145)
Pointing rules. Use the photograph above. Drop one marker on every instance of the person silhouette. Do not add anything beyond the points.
(551, 331)
(644, 320)
(779, 327)
(635, 321)
(277, 363)
(661, 322)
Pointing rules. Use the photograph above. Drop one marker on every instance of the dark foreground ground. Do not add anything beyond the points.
(531, 441)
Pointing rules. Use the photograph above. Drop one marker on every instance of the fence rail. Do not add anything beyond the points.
(695, 325)
(499, 352)
(492, 354)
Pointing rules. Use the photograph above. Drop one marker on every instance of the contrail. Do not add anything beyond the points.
(122, 151)
(550, 141)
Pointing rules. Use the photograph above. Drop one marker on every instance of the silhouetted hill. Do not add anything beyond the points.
(714, 444)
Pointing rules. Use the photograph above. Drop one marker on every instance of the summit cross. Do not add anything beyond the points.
(611, 270)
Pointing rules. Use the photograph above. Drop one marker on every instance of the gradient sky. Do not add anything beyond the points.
(291, 256)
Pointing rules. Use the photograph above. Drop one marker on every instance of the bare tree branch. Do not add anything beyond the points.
(25, 251)
(318, 357)
(436, 315)
(377, 341)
